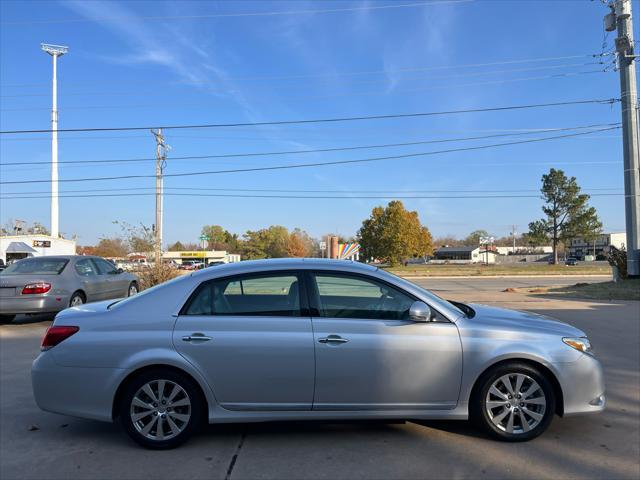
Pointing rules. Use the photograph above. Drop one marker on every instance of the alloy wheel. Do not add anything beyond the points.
(76, 301)
(515, 403)
(160, 410)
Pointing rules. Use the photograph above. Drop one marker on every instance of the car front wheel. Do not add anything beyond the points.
(514, 402)
(161, 409)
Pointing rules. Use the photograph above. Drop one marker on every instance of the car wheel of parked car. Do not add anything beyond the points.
(133, 289)
(513, 402)
(6, 318)
(77, 299)
(161, 409)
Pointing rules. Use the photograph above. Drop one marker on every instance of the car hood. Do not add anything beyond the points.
(522, 321)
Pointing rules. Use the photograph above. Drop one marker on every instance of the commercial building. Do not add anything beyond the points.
(599, 247)
(463, 255)
(15, 247)
(524, 250)
(206, 256)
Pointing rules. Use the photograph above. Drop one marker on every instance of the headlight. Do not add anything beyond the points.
(579, 343)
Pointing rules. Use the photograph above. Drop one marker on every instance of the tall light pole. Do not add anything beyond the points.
(620, 19)
(55, 51)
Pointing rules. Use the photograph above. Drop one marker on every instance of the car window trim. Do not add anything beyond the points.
(93, 266)
(302, 292)
(314, 294)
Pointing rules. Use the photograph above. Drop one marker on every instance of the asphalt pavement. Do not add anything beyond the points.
(35, 444)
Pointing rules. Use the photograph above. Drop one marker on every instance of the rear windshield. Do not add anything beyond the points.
(51, 266)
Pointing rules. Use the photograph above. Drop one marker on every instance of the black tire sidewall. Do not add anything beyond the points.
(197, 408)
(5, 319)
(480, 416)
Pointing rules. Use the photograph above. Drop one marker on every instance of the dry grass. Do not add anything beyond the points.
(501, 270)
(623, 290)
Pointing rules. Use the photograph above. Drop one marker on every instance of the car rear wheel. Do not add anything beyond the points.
(514, 402)
(161, 409)
(133, 289)
(6, 318)
(76, 299)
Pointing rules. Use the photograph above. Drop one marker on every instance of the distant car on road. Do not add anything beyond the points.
(571, 262)
(310, 339)
(51, 284)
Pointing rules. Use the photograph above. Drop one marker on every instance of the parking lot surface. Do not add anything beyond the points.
(35, 444)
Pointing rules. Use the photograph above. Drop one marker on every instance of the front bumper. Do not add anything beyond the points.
(33, 304)
(582, 385)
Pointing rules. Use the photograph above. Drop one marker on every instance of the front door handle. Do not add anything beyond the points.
(196, 337)
(333, 339)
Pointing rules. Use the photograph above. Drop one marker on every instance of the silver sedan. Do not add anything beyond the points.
(309, 339)
(53, 283)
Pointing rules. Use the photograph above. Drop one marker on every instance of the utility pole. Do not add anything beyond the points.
(620, 19)
(55, 51)
(513, 234)
(161, 161)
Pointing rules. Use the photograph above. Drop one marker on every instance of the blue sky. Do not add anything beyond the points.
(220, 62)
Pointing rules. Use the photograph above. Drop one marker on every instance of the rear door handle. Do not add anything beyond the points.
(333, 339)
(196, 337)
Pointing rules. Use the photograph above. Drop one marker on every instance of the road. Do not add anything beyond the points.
(35, 444)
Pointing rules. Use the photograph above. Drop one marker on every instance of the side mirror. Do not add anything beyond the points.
(420, 312)
(120, 270)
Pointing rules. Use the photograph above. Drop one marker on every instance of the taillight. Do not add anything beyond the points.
(55, 335)
(40, 287)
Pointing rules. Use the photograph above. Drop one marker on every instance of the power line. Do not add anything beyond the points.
(299, 76)
(307, 197)
(608, 101)
(364, 82)
(280, 190)
(240, 14)
(314, 164)
(317, 150)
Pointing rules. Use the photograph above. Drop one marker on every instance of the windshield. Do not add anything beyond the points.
(432, 296)
(37, 266)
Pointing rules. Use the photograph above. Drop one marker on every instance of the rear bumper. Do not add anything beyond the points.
(33, 304)
(75, 391)
(583, 386)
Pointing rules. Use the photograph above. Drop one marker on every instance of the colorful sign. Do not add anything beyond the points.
(42, 243)
(348, 250)
(195, 254)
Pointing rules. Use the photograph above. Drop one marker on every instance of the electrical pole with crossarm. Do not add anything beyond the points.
(620, 19)
(161, 160)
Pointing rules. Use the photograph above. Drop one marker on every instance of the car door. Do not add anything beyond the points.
(370, 356)
(250, 335)
(114, 284)
(91, 283)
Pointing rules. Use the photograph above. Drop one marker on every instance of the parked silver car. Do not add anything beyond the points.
(51, 284)
(309, 339)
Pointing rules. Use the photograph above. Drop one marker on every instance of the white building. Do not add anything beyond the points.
(463, 255)
(206, 256)
(578, 247)
(15, 247)
(524, 250)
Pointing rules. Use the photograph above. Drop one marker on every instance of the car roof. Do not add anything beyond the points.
(286, 264)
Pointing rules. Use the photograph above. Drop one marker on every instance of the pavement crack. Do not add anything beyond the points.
(234, 458)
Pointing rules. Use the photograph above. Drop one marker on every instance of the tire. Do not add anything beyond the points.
(130, 291)
(77, 299)
(179, 418)
(504, 415)
(6, 319)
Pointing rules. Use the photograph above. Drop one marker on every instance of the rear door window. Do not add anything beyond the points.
(248, 295)
(85, 268)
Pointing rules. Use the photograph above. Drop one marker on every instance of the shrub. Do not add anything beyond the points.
(153, 274)
(617, 257)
